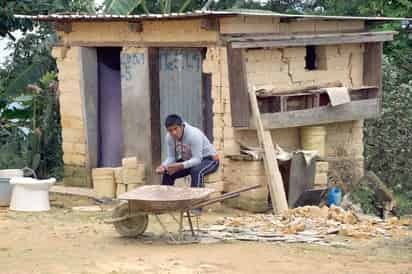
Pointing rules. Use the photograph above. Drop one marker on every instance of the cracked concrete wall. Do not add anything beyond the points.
(284, 68)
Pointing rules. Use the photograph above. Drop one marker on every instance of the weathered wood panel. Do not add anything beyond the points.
(89, 94)
(239, 98)
(274, 178)
(355, 110)
(207, 105)
(154, 112)
(307, 40)
(136, 110)
(372, 68)
(180, 87)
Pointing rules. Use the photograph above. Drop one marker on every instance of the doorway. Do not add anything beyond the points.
(110, 133)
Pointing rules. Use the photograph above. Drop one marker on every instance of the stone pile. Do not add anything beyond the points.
(309, 224)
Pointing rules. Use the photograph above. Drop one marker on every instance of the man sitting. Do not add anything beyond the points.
(189, 152)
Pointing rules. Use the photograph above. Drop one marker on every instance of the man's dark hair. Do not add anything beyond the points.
(173, 120)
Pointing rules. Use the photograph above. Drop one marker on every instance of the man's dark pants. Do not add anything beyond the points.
(207, 166)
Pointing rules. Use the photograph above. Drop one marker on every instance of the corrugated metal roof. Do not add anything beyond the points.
(110, 17)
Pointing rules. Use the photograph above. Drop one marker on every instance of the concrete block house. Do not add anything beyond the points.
(119, 76)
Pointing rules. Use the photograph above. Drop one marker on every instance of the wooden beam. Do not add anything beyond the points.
(274, 178)
(355, 110)
(135, 26)
(313, 39)
(139, 44)
(269, 91)
(155, 123)
(372, 68)
(137, 108)
(239, 98)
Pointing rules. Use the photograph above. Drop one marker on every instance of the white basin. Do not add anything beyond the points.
(30, 194)
(5, 187)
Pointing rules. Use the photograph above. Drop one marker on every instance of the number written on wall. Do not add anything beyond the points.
(128, 60)
(179, 60)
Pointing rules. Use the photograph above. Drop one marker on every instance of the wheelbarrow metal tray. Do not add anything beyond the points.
(159, 198)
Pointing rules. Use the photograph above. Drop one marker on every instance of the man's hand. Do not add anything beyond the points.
(173, 168)
(160, 170)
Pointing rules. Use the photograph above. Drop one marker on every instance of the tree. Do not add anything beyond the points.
(29, 121)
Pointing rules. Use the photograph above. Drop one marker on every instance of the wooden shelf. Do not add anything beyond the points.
(275, 102)
(355, 110)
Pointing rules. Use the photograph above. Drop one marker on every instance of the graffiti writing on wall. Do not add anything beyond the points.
(180, 60)
(128, 60)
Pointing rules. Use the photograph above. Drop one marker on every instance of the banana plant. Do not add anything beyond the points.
(126, 7)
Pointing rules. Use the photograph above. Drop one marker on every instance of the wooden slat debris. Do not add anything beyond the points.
(276, 189)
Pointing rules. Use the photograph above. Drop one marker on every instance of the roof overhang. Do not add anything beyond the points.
(196, 14)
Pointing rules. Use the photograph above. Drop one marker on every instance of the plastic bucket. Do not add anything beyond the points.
(313, 138)
(5, 186)
(334, 196)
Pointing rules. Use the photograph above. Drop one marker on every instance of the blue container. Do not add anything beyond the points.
(334, 196)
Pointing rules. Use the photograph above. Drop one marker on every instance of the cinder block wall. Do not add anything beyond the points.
(215, 63)
(153, 31)
(258, 24)
(72, 120)
(284, 68)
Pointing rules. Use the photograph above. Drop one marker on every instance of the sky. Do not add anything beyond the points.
(3, 51)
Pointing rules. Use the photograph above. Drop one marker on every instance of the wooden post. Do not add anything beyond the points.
(276, 189)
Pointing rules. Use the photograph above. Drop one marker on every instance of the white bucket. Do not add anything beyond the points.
(30, 194)
(5, 186)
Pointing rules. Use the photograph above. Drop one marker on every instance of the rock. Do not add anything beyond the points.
(350, 232)
(350, 218)
(87, 208)
(294, 228)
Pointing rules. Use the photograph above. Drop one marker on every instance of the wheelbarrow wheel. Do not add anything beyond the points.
(131, 227)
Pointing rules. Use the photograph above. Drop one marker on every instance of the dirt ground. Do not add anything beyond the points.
(64, 241)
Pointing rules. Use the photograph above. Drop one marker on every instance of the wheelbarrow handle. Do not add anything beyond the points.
(226, 196)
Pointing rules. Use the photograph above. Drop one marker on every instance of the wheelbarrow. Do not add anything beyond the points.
(131, 217)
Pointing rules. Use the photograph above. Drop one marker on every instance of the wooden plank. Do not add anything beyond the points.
(275, 182)
(372, 68)
(197, 44)
(89, 91)
(316, 40)
(136, 107)
(249, 37)
(355, 110)
(272, 91)
(207, 104)
(154, 114)
(239, 98)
